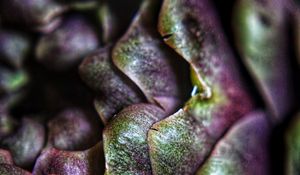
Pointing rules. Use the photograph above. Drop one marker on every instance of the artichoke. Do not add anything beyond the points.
(147, 87)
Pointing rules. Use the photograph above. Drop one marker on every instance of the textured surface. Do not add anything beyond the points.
(177, 144)
(176, 83)
(190, 27)
(116, 91)
(7, 169)
(144, 58)
(73, 129)
(54, 161)
(125, 140)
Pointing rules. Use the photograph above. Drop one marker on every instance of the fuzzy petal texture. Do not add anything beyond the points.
(144, 58)
(54, 161)
(191, 28)
(115, 90)
(73, 129)
(8, 169)
(125, 140)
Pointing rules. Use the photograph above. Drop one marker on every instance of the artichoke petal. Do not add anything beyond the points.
(14, 47)
(116, 90)
(143, 57)
(12, 170)
(125, 139)
(194, 32)
(177, 144)
(78, 132)
(109, 23)
(32, 13)
(114, 18)
(261, 38)
(243, 150)
(68, 44)
(12, 80)
(55, 161)
(26, 143)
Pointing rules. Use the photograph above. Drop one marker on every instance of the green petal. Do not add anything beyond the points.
(125, 140)
(177, 144)
(11, 81)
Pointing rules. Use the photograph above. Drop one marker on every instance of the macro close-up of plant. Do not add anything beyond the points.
(142, 87)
